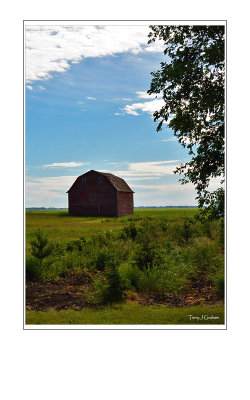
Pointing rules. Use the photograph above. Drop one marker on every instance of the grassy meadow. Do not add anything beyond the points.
(154, 267)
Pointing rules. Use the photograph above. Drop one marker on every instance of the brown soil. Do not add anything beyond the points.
(194, 297)
(72, 293)
(68, 292)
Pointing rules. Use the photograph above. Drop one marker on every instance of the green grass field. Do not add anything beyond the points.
(130, 314)
(101, 267)
(60, 225)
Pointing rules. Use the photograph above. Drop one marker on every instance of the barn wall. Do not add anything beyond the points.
(125, 203)
(93, 199)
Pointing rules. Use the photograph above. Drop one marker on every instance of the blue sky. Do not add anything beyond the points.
(86, 107)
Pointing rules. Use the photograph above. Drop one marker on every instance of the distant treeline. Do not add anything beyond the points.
(54, 208)
(166, 207)
(44, 208)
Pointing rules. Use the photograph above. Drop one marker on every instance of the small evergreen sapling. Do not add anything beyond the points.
(40, 246)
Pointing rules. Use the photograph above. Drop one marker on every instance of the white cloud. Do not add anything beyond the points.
(148, 106)
(172, 139)
(141, 178)
(52, 49)
(145, 95)
(167, 187)
(91, 98)
(41, 87)
(148, 169)
(47, 191)
(29, 87)
(71, 164)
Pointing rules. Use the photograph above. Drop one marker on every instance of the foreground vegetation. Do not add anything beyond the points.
(161, 251)
(130, 314)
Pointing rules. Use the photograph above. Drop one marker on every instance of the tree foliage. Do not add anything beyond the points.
(191, 82)
(40, 246)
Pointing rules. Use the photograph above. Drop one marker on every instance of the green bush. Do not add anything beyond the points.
(100, 257)
(221, 233)
(110, 289)
(32, 267)
(147, 253)
(129, 232)
(220, 284)
(51, 268)
(185, 232)
(130, 275)
(75, 244)
(101, 239)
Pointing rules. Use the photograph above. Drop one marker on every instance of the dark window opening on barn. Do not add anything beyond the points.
(100, 180)
(83, 181)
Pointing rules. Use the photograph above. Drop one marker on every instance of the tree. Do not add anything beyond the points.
(40, 247)
(192, 86)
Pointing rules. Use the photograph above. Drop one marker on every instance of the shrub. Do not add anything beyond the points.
(52, 269)
(184, 232)
(129, 232)
(75, 244)
(201, 260)
(130, 275)
(220, 284)
(102, 238)
(207, 229)
(221, 236)
(58, 248)
(111, 289)
(32, 267)
(100, 257)
(147, 253)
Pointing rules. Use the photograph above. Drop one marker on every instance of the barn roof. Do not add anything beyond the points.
(119, 184)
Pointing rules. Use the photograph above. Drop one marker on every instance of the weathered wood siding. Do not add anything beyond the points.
(95, 198)
(125, 203)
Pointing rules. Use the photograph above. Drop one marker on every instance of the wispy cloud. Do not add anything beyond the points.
(145, 95)
(147, 169)
(172, 139)
(167, 187)
(47, 191)
(71, 164)
(90, 98)
(52, 49)
(148, 107)
(29, 87)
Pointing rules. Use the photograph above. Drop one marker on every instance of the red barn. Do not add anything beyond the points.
(100, 193)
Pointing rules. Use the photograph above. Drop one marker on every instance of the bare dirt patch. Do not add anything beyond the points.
(65, 293)
(71, 292)
(194, 297)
